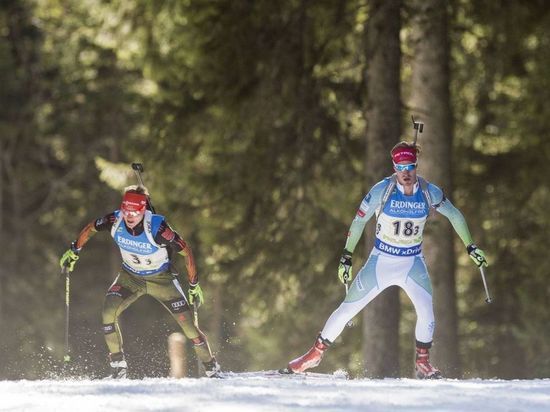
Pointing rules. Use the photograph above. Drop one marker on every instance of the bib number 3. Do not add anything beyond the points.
(138, 261)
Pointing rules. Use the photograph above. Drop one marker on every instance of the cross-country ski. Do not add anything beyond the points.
(280, 374)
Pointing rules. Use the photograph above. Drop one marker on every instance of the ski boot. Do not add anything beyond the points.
(119, 367)
(424, 369)
(212, 368)
(310, 359)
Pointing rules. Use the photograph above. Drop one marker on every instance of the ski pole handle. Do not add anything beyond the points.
(488, 298)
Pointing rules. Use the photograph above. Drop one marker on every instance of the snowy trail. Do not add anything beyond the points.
(264, 394)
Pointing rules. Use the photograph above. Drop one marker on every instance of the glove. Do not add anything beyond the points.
(477, 255)
(69, 258)
(195, 294)
(344, 268)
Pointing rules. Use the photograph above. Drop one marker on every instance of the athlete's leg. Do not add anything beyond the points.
(123, 292)
(365, 287)
(419, 289)
(167, 290)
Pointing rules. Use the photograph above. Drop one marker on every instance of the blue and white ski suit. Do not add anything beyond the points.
(396, 258)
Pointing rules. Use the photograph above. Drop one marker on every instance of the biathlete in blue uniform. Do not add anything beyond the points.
(402, 203)
(147, 245)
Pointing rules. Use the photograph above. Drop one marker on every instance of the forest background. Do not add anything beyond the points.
(261, 127)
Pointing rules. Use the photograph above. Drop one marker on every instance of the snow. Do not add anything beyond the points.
(270, 394)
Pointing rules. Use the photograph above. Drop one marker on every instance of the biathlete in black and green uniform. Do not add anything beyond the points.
(147, 245)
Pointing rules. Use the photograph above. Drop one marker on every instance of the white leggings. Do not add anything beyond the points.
(381, 271)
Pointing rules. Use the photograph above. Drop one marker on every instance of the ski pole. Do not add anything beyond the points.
(138, 170)
(196, 314)
(488, 299)
(65, 271)
(196, 322)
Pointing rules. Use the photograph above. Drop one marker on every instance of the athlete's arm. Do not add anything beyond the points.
(370, 203)
(170, 238)
(447, 209)
(98, 225)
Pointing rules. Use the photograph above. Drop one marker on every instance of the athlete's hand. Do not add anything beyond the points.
(477, 255)
(69, 258)
(344, 268)
(195, 295)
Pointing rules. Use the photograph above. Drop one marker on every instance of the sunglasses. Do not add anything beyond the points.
(131, 213)
(402, 168)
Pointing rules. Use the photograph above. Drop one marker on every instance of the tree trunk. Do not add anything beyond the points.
(430, 103)
(381, 317)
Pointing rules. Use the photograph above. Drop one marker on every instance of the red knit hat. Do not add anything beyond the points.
(133, 202)
(404, 154)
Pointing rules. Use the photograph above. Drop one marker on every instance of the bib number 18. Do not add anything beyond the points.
(406, 228)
